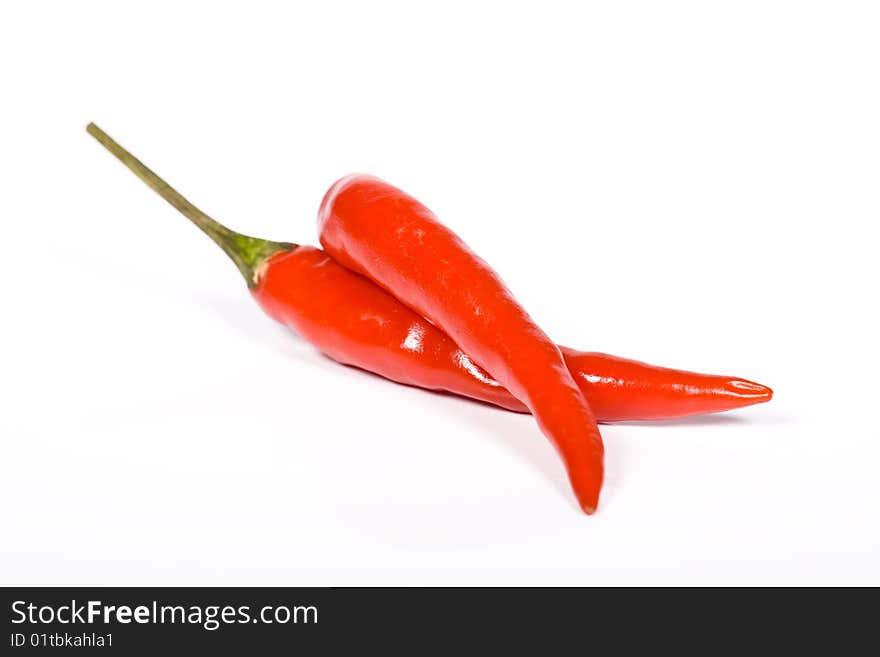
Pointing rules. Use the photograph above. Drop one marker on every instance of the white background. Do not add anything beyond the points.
(693, 184)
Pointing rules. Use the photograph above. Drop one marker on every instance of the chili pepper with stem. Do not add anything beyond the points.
(353, 321)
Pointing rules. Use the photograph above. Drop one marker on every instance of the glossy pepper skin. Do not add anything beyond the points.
(353, 321)
(381, 232)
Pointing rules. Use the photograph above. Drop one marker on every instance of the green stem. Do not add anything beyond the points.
(248, 253)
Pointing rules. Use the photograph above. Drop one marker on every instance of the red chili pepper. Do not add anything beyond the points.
(386, 235)
(355, 322)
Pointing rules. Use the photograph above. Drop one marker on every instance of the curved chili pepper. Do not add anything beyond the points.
(381, 232)
(355, 322)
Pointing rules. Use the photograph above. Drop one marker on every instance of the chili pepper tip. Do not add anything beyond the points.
(588, 498)
(755, 393)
